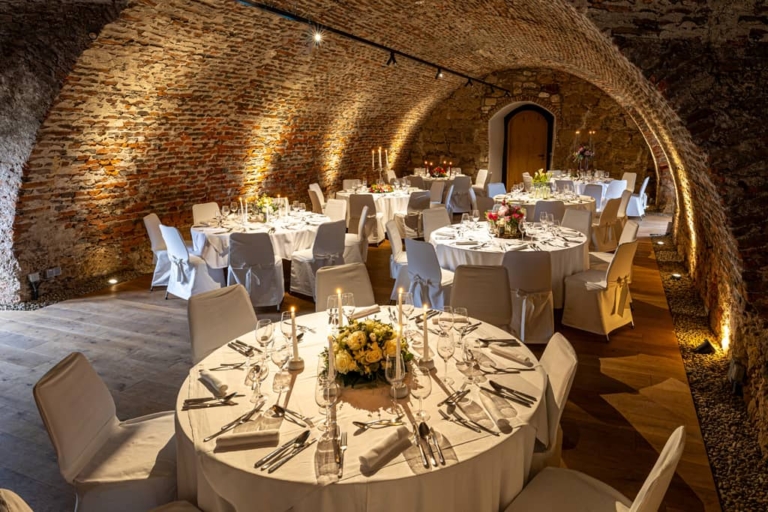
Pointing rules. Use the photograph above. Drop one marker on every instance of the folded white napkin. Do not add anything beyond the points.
(465, 242)
(363, 312)
(385, 450)
(457, 319)
(516, 247)
(255, 437)
(500, 411)
(510, 353)
(217, 384)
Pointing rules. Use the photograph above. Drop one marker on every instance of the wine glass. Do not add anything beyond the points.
(256, 374)
(225, 211)
(280, 356)
(460, 323)
(286, 325)
(543, 217)
(522, 225)
(475, 217)
(421, 387)
(348, 305)
(395, 374)
(465, 219)
(265, 331)
(445, 349)
(234, 207)
(327, 393)
(302, 207)
(332, 307)
(551, 221)
(445, 320)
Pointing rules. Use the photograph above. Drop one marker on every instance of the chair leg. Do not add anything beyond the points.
(166, 294)
(151, 287)
(607, 338)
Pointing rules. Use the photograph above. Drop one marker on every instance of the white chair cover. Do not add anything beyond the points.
(580, 220)
(390, 176)
(319, 191)
(559, 362)
(530, 282)
(481, 180)
(561, 185)
(217, 317)
(484, 291)
(638, 202)
(159, 253)
(349, 278)
(436, 192)
(433, 219)
(113, 465)
(253, 264)
(527, 183)
(351, 184)
(614, 190)
(429, 284)
(356, 245)
(327, 251)
(12, 502)
(458, 201)
(621, 214)
(603, 233)
(416, 182)
(655, 486)
(631, 179)
(409, 224)
(189, 273)
(601, 260)
(496, 189)
(317, 206)
(204, 212)
(398, 260)
(598, 302)
(595, 191)
(336, 209)
(448, 196)
(556, 208)
(375, 222)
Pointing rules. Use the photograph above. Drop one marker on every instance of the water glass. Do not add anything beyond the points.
(265, 331)
(286, 325)
(280, 356)
(332, 307)
(234, 206)
(327, 393)
(256, 375)
(421, 387)
(460, 326)
(348, 305)
(445, 350)
(445, 320)
(475, 217)
(394, 377)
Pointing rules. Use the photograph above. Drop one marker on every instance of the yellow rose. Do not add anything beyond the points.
(374, 355)
(390, 347)
(344, 362)
(356, 340)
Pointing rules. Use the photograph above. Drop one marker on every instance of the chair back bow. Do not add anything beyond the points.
(328, 259)
(180, 268)
(252, 275)
(423, 284)
(530, 300)
(620, 295)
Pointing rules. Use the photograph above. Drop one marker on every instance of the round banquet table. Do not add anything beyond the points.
(482, 472)
(294, 233)
(578, 184)
(387, 204)
(568, 251)
(528, 202)
(428, 181)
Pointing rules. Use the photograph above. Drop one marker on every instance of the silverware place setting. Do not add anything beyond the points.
(237, 421)
(273, 456)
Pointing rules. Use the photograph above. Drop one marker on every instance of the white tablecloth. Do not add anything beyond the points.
(579, 185)
(528, 202)
(565, 260)
(386, 204)
(483, 472)
(291, 234)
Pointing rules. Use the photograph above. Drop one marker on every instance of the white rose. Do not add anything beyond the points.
(356, 340)
(344, 362)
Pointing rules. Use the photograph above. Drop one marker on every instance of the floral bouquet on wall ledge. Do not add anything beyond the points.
(438, 172)
(504, 220)
(361, 349)
(582, 156)
(380, 188)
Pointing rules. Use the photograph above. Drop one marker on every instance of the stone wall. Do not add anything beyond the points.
(457, 129)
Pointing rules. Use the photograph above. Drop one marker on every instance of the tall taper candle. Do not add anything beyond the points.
(400, 306)
(379, 156)
(331, 360)
(373, 159)
(425, 347)
(386, 159)
(293, 333)
(398, 356)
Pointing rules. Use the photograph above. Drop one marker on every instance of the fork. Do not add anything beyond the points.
(342, 449)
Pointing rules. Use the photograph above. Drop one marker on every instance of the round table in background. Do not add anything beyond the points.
(529, 203)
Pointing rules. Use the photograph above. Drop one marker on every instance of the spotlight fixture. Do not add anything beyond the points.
(469, 83)
(659, 243)
(318, 38)
(392, 60)
(676, 276)
(112, 281)
(439, 73)
(705, 347)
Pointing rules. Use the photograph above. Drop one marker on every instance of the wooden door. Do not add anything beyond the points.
(527, 137)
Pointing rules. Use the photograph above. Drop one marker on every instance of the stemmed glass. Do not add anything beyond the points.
(475, 217)
(327, 393)
(286, 325)
(445, 349)
(282, 380)
(394, 377)
(265, 332)
(348, 305)
(421, 387)
(406, 299)
(459, 327)
(224, 211)
(445, 320)
(234, 207)
(332, 307)
(302, 207)
(256, 374)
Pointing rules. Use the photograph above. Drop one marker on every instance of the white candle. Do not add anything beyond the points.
(293, 333)
(425, 349)
(379, 156)
(338, 312)
(386, 158)
(331, 361)
(398, 356)
(373, 159)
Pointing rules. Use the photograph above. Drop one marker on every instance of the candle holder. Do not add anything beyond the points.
(401, 391)
(296, 364)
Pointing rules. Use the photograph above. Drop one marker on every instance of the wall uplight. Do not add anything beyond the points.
(112, 281)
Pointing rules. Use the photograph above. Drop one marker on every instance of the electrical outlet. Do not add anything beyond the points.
(56, 271)
(34, 277)
(49, 274)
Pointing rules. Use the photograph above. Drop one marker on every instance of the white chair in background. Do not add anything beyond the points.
(159, 252)
(409, 224)
(436, 192)
(390, 176)
(631, 179)
(481, 203)
(555, 173)
(601, 260)
(580, 220)
(351, 184)
(398, 260)
(598, 301)
(638, 202)
(336, 209)
(496, 189)
(416, 182)
(120, 466)
(566, 490)
(205, 212)
(484, 291)
(527, 183)
(319, 192)
(481, 180)
(559, 362)
(603, 232)
(375, 222)
(563, 185)
(595, 191)
(189, 273)
(530, 282)
(349, 278)
(614, 190)
(253, 264)
(327, 251)
(458, 201)
(447, 204)
(434, 219)
(217, 317)
(556, 208)
(429, 283)
(621, 213)
(317, 206)
(356, 244)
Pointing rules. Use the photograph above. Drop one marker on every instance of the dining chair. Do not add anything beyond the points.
(114, 465)
(563, 185)
(434, 219)
(568, 490)
(481, 181)
(601, 260)
(496, 189)
(556, 208)
(598, 301)
(398, 260)
(484, 292)
(559, 362)
(336, 209)
(189, 273)
(317, 206)
(390, 176)
(409, 223)
(621, 213)
(319, 192)
(253, 264)
(217, 317)
(205, 212)
(603, 232)
(447, 205)
(580, 220)
(350, 184)
(595, 191)
(527, 183)
(349, 278)
(356, 244)
(614, 190)
(436, 192)
(481, 203)
(375, 218)
(458, 201)
(326, 251)
(162, 270)
(530, 284)
(631, 179)
(416, 182)
(12, 502)
(429, 283)
(638, 202)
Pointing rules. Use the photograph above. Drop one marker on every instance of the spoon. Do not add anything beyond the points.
(280, 412)
(377, 424)
(289, 448)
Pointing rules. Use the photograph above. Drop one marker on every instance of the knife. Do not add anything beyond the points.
(417, 443)
(239, 421)
(279, 451)
(300, 417)
(499, 387)
(507, 396)
(459, 421)
(454, 397)
(424, 434)
(206, 405)
(437, 446)
(291, 455)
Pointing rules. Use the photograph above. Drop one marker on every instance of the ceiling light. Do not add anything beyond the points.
(439, 74)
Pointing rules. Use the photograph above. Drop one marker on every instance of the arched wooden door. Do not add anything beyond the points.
(527, 142)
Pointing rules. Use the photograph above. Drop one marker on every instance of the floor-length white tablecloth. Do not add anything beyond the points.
(568, 256)
(386, 204)
(483, 472)
(528, 202)
(291, 234)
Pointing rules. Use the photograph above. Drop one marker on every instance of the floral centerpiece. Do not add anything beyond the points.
(361, 349)
(380, 189)
(438, 172)
(541, 177)
(264, 204)
(583, 155)
(505, 219)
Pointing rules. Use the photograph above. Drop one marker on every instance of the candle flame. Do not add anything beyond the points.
(338, 290)
(293, 308)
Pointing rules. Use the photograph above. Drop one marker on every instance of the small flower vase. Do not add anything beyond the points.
(501, 230)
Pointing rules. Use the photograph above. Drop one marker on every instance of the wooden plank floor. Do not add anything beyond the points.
(628, 396)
